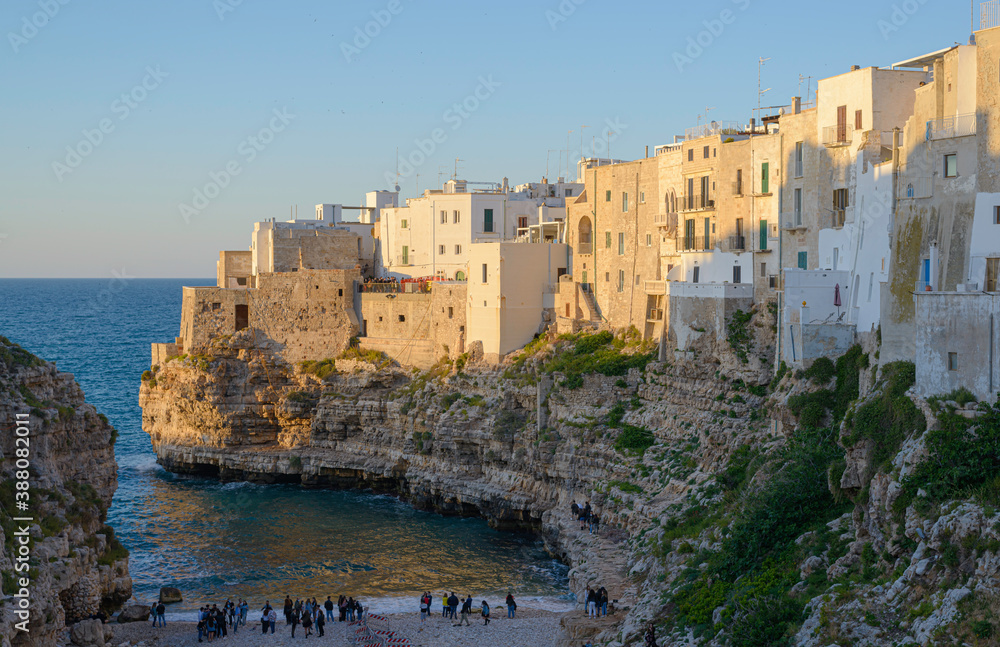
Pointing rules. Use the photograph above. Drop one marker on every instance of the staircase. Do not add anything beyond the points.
(588, 296)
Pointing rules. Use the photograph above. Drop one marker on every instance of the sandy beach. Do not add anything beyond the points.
(533, 627)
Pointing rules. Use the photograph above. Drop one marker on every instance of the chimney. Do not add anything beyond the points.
(647, 150)
(796, 105)
(855, 68)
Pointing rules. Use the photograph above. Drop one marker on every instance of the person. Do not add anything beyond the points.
(307, 622)
(159, 615)
(591, 603)
(423, 607)
(295, 621)
(453, 605)
(220, 621)
(585, 516)
(350, 608)
(328, 605)
(272, 618)
(602, 601)
(444, 605)
(342, 607)
(511, 606)
(650, 635)
(466, 610)
(211, 628)
(244, 608)
(574, 510)
(359, 609)
(486, 613)
(594, 523)
(320, 622)
(265, 621)
(288, 610)
(202, 628)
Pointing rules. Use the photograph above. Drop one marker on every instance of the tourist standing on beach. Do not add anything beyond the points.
(511, 606)
(307, 622)
(294, 621)
(272, 618)
(159, 615)
(486, 613)
(444, 604)
(453, 605)
(288, 610)
(351, 604)
(424, 603)
(320, 622)
(328, 605)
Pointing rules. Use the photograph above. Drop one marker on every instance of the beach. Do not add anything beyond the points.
(534, 627)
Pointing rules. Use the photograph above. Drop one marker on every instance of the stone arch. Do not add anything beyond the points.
(586, 234)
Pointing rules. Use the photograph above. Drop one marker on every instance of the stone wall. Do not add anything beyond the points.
(315, 249)
(437, 317)
(698, 309)
(233, 269)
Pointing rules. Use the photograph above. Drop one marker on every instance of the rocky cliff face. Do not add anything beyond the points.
(77, 567)
(822, 507)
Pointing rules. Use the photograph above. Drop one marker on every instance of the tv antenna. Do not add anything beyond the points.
(441, 172)
(547, 155)
(808, 80)
(760, 93)
(455, 176)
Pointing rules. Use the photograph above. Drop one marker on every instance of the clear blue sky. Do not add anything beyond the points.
(216, 70)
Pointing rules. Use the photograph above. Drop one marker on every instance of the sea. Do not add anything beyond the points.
(215, 541)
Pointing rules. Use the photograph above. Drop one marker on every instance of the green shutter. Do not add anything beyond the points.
(763, 235)
(488, 221)
(607, 239)
(406, 255)
(764, 184)
(803, 261)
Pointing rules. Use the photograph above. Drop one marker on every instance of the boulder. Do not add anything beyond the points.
(90, 633)
(169, 594)
(134, 613)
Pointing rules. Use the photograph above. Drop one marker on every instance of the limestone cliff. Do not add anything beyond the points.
(77, 567)
(825, 506)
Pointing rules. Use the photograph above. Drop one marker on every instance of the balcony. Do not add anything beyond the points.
(838, 218)
(839, 135)
(694, 243)
(585, 248)
(697, 203)
(667, 221)
(954, 126)
(737, 243)
(737, 188)
(655, 314)
(655, 287)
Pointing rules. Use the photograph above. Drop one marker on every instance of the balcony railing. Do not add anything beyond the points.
(954, 126)
(737, 243)
(837, 218)
(696, 203)
(839, 135)
(695, 243)
(655, 287)
(655, 314)
(667, 221)
(585, 248)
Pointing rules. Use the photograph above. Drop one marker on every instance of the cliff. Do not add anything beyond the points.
(736, 509)
(76, 567)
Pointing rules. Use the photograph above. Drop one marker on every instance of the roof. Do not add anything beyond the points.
(925, 60)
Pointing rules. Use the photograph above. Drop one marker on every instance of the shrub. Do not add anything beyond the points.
(739, 334)
(888, 418)
(626, 486)
(321, 369)
(821, 371)
(634, 440)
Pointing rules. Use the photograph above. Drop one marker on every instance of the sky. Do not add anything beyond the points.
(139, 138)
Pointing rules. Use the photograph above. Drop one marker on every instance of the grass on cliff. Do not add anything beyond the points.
(322, 369)
(12, 355)
(612, 355)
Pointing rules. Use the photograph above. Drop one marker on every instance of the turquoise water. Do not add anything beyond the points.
(213, 540)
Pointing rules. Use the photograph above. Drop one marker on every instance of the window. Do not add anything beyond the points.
(484, 272)
(458, 250)
(952, 361)
(403, 224)
(857, 120)
(522, 223)
(695, 274)
(624, 201)
(649, 240)
(951, 165)
(621, 243)
(621, 280)
(772, 281)
(402, 318)
(637, 277)
(642, 197)
(705, 152)
(406, 254)
(607, 196)
(607, 239)
(764, 179)
(763, 270)
(909, 190)
(840, 202)
(713, 152)
(569, 193)
(607, 277)
(444, 217)
(841, 123)
(737, 274)
(488, 221)
(803, 260)
(460, 276)
(456, 217)
(451, 312)
(241, 280)
(216, 306)
(738, 189)
(799, 158)
(992, 273)
(440, 250)
(996, 215)
(690, 154)
(798, 207)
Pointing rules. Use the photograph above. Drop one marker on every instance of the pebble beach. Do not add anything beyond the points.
(533, 627)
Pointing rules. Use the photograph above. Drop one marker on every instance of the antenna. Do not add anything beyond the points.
(760, 93)
(455, 176)
(581, 140)
(441, 172)
(397, 168)
(551, 150)
(418, 183)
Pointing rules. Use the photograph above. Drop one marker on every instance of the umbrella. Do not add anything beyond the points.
(836, 295)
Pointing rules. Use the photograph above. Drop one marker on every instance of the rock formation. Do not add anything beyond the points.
(77, 567)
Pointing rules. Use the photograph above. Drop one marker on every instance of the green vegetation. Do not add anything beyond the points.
(13, 355)
(821, 371)
(739, 334)
(961, 397)
(365, 355)
(450, 399)
(812, 407)
(301, 397)
(115, 550)
(507, 424)
(888, 418)
(322, 369)
(625, 486)
(780, 373)
(631, 439)
(602, 352)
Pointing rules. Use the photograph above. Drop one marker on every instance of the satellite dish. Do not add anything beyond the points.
(397, 188)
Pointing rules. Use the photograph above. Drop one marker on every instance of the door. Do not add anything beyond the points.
(992, 272)
(242, 317)
(737, 274)
(927, 272)
(708, 234)
(841, 123)
(694, 278)
(763, 235)
(406, 255)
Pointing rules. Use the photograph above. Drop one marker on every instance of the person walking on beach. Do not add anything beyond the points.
(328, 605)
(272, 619)
(511, 606)
(486, 613)
(466, 611)
(307, 622)
(453, 605)
(288, 610)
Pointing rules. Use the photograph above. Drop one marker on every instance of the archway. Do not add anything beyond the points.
(585, 235)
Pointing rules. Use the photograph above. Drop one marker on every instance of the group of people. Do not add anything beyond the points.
(381, 285)
(214, 622)
(597, 602)
(450, 603)
(585, 515)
